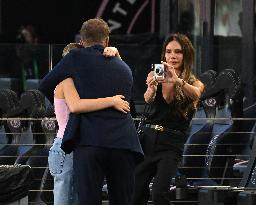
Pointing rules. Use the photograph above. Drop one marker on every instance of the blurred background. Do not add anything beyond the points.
(222, 32)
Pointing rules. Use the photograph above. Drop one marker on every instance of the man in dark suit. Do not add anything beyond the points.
(105, 143)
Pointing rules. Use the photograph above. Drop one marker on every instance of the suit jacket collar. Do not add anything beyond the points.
(98, 47)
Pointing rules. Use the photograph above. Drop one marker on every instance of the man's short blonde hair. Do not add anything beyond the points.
(69, 47)
(94, 31)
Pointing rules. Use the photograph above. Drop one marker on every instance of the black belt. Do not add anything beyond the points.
(156, 127)
(161, 128)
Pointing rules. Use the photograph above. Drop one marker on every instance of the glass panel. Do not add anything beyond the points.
(226, 22)
(22, 65)
(140, 67)
(188, 17)
(227, 35)
(189, 24)
(56, 50)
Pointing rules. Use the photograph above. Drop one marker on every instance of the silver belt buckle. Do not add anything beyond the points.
(159, 127)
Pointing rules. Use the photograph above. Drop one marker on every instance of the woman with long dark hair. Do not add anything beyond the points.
(173, 102)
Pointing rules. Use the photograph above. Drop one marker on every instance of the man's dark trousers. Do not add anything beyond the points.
(92, 164)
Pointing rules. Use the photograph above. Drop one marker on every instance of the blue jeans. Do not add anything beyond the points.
(61, 168)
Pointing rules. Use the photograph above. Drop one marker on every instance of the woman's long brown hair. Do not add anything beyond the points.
(183, 105)
(187, 50)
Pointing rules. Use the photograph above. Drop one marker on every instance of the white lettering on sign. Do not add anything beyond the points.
(113, 25)
(117, 8)
(131, 1)
(113, 11)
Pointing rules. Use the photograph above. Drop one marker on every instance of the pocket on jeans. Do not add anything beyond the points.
(56, 161)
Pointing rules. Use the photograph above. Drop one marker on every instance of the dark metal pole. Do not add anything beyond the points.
(164, 18)
(1, 17)
(207, 32)
(248, 44)
(174, 16)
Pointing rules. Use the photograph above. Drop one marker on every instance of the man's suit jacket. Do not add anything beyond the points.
(95, 76)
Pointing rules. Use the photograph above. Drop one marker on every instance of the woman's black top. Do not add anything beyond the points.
(175, 117)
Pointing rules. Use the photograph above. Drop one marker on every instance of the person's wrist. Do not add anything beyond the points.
(151, 91)
(117, 54)
(181, 82)
(112, 101)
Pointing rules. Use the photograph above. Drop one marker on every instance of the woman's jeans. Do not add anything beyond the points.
(61, 168)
